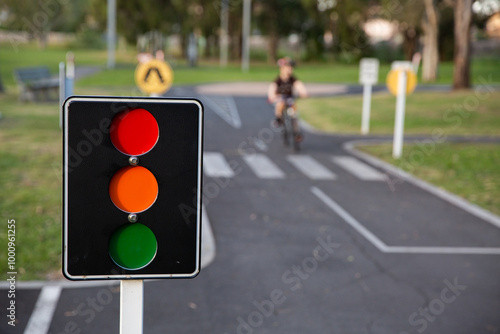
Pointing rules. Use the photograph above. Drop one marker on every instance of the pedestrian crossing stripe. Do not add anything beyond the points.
(215, 165)
(263, 167)
(359, 169)
(311, 168)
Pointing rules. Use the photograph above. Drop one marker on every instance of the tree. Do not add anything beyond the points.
(278, 18)
(463, 18)
(37, 18)
(342, 21)
(430, 27)
(408, 14)
(352, 42)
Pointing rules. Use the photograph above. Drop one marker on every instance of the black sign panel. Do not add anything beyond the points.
(132, 187)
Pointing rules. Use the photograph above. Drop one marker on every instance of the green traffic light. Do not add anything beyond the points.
(132, 246)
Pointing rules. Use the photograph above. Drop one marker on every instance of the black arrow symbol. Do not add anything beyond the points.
(157, 72)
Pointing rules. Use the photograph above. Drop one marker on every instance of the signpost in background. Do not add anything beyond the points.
(368, 76)
(66, 81)
(401, 81)
(111, 33)
(245, 40)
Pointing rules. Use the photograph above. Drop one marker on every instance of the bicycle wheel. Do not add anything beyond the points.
(297, 136)
(286, 129)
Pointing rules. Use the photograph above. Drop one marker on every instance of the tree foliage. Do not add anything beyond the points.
(278, 18)
(38, 18)
(325, 28)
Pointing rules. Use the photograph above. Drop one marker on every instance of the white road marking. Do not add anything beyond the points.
(263, 167)
(403, 176)
(215, 165)
(225, 107)
(349, 219)
(207, 240)
(381, 246)
(311, 168)
(444, 250)
(43, 312)
(359, 169)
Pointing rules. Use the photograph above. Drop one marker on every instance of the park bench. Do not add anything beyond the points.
(36, 84)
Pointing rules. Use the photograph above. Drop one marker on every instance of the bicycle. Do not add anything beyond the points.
(290, 126)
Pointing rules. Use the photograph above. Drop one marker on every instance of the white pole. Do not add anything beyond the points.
(111, 33)
(62, 90)
(131, 310)
(224, 19)
(70, 74)
(245, 56)
(365, 117)
(400, 116)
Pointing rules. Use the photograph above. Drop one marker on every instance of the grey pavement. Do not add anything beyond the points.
(84, 71)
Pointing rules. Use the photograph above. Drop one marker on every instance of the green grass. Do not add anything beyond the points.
(468, 170)
(451, 113)
(30, 55)
(208, 71)
(30, 160)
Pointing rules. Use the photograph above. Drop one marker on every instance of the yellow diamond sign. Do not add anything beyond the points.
(154, 76)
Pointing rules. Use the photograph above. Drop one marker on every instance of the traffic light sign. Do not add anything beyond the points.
(132, 187)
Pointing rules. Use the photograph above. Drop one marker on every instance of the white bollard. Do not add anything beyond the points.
(365, 116)
(399, 121)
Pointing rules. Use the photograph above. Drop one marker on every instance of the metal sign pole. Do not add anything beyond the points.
(368, 76)
(131, 306)
(365, 117)
(245, 55)
(399, 122)
(111, 33)
(224, 22)
(62, 90)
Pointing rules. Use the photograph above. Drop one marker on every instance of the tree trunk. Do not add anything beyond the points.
(461, 71)
(272, 47)
(430, 57)
(410, 42)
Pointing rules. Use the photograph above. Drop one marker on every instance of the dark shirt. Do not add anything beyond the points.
(285, 88)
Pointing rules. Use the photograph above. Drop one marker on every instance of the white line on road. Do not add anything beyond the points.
(226, 108)
(263, 167)
(311, 168)
(349, 219)
(444, 250)
(207, 240)
(215, 165)
(406, 177)
(359, 169)
(44, 310)
(381, 246)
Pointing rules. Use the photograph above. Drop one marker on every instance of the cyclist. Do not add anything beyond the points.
(281, 91)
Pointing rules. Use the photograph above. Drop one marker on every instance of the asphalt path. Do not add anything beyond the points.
(305, 250)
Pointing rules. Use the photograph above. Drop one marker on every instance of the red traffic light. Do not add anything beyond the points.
(134, 132)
